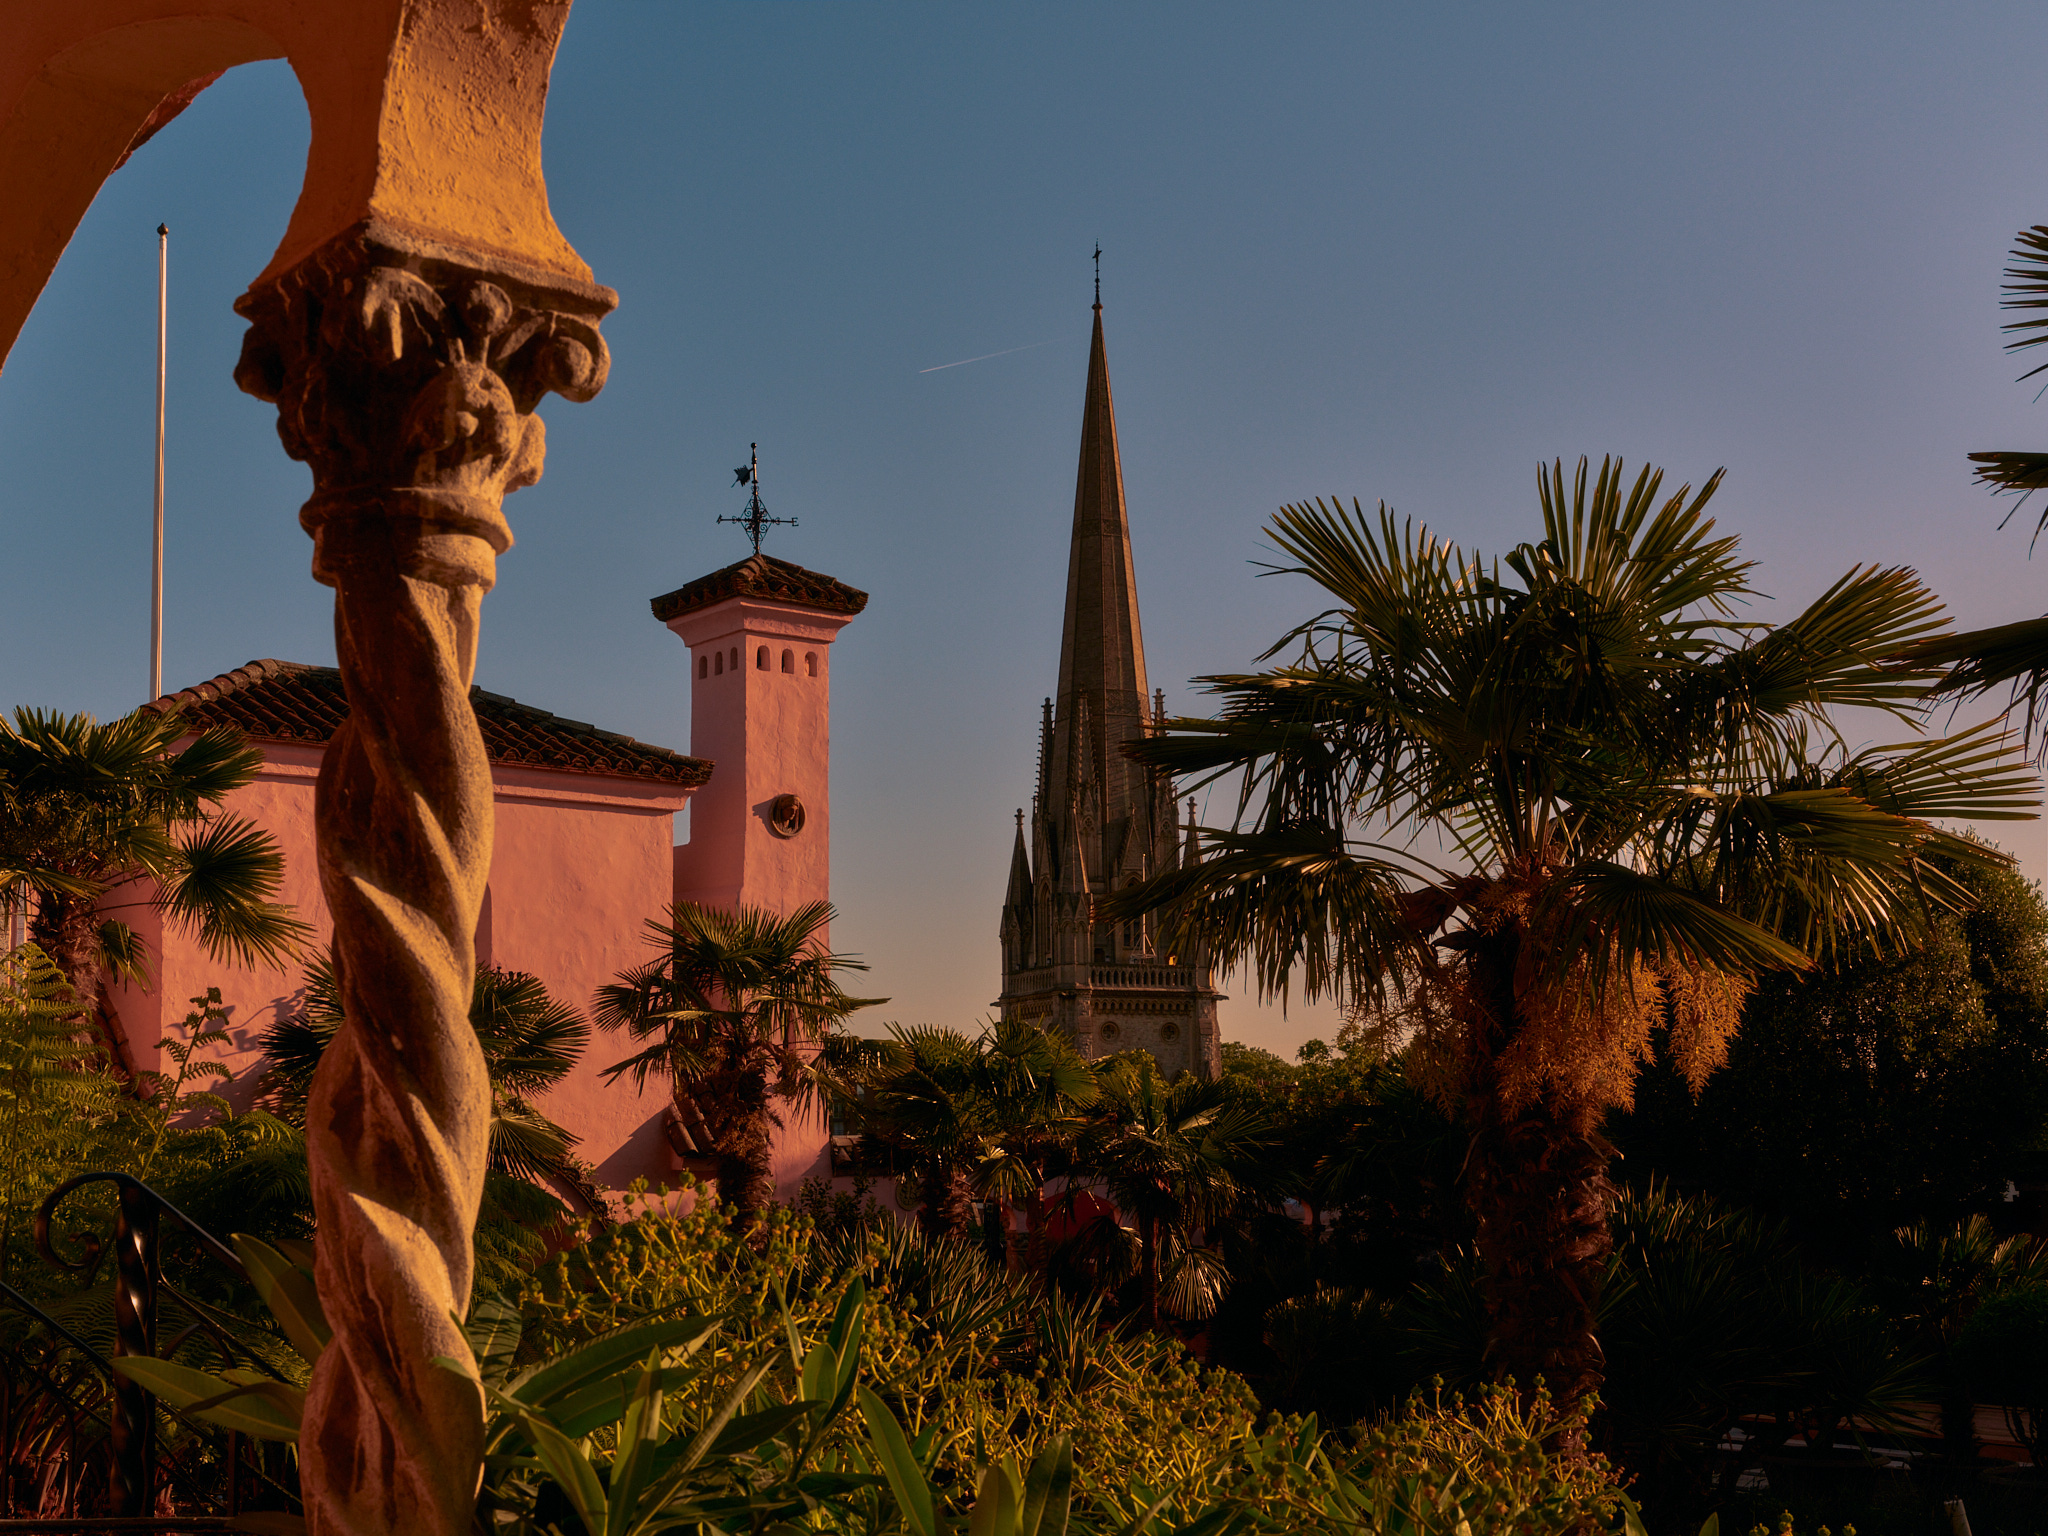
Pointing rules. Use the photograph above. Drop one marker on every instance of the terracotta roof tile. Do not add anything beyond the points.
(762, 576)
(289, 701)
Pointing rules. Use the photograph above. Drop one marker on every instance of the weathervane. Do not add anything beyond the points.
(755, 519)
(1098, 274)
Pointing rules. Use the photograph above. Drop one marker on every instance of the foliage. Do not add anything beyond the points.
(1712, 1316)
(1174, 1157)
(1374, 1162)
(732, 1012)
(672, 1371)
(1879, 1092)
(2003, 1357)
(55, 1094)
(64, 1113)
(1337, 1354)
(987, 1364)
(916, 1091)
(86, 807)
(841, 1212)
(1484, 1464)
(1650, 801)
(530, 1041)
(255, 1399)
(2012, 656)
(1035, 1089)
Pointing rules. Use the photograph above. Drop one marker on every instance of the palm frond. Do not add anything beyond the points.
(1291, 904)
(1651, 920)
(2026, 289)
(226, 874)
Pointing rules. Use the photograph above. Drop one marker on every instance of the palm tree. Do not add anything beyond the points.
(530, 1040)
(1647, 802)
(1033, 1085)
(1172, 1157)
(733, 1010)
(86, 807)
(917, 1092)
(2012, 656)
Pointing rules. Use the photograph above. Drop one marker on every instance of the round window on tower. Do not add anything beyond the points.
(1108, 1030)
(786, 816)
(1169, 1031)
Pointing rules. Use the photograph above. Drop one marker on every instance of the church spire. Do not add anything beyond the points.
(1101, 822)
(1102, 647)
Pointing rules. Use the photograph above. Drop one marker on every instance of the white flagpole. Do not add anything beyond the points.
(156, 570)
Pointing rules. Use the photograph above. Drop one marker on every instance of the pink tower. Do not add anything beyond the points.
(760, 635)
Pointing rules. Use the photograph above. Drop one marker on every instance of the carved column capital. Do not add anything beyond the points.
(406, 375)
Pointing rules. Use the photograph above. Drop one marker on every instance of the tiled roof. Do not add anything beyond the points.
(762, 576)
(289, 701)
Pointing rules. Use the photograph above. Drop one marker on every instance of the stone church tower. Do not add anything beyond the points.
(1100, 822)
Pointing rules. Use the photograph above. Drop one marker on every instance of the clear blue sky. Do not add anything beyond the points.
(1376, 251)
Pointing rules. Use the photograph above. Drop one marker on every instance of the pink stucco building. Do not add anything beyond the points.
(585, 851)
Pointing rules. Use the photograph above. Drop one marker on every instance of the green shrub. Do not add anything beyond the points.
(699, 1419)
(2003, 1358)
(986, 1365)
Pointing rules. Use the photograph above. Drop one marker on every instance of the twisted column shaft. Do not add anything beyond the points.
(399, 1120)
(408, 382)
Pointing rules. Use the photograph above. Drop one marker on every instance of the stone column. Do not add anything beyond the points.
(406, 372)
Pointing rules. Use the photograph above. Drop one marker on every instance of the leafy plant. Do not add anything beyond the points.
(1651, 805)
(55, 1092)
(2003, 1357)
(916, 1091)
(530, 1042)
(733, 1011)
(87, 807)
(1174, 1157)
(254, 1400)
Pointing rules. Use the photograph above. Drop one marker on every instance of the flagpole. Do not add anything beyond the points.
(156, 567)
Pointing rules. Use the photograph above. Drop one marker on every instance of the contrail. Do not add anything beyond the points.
(984, 357)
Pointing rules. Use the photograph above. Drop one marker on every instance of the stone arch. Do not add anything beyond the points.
(425, 114)
(420, 267)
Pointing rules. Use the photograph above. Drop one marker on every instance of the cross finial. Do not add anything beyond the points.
(1098, 274)
(755, 518)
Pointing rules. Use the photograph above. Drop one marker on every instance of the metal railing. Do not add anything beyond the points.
(130, 1420)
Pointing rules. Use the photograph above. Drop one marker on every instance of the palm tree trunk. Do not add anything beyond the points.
(1538, 1187)
(944, 1211)
(1014, 1241)
(1148, 1236)
(1034, 1231)
(64, 929)
(746, 1146)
